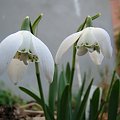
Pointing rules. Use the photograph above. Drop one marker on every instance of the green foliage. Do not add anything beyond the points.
(61, 87)
(81, 111)
(7, 98)
(113, 101)
(67, 72)
(53, 91)
(64, 101)
(30, 93)
(94, 105)
(79, 95)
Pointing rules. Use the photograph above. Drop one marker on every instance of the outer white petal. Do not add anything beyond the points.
(45, 58)
(27, 38)
(87, 37)
(96, 57)
(16, 70)
(103, 39)
(65, 45)
(8, 48)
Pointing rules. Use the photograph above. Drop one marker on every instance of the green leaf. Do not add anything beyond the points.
(53, 90)
(113, 101)
(81, 111)
(64, 113)
(33, 95)
(110, 88)
(36, 22)
(80, 93)
(61, 85)
(118, 117)
(79, 96)
(102, 107)
(68, 72)
(26, 24)
(94, 105)
(38, 100)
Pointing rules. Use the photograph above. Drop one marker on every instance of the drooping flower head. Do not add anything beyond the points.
(95, 41)
(21, 48)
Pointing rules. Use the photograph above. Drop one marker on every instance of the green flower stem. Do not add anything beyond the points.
(40, 89)
(81, 27)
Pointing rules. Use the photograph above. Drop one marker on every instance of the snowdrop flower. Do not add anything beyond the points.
(21, 48)
(95, 41)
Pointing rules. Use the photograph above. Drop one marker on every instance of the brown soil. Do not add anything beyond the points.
(20, 113)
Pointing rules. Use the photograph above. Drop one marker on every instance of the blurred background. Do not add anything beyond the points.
(61, 18)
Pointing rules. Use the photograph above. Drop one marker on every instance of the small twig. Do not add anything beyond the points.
(29, 105)
(34, 112)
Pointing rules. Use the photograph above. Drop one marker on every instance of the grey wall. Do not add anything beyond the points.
(61, 18)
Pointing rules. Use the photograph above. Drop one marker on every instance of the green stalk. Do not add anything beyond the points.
(81, 27)
(40, 90)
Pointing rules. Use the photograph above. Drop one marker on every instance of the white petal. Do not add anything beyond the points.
(45, 58)
(16, 70)
(27, 38)
(81, 51)
(103, 39)
(87, 37)
(65, 45)
(96, 57)
(8, 48)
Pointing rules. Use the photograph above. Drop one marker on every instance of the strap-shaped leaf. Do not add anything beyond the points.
(65, 103)
(33, 95)
(79, 96)
(113, 101)
(53, 90)
(62, 84)
(81, 111)
(68, 72)
(102, 106)
(61, 87)
(111, 84)
(94, 105)
(38, 100)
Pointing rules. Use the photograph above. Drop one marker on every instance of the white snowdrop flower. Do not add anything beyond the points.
(21, 48)
(95, 41)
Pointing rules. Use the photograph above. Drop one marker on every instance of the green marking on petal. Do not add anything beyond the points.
(89, 47)
(26, 56)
